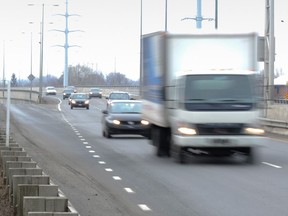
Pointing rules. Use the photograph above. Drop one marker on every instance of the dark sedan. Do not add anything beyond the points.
(79, 100)
(67, 93)
(95, 92)
(124, 117)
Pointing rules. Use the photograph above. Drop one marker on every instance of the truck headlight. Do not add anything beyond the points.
(254, 131)
(185, 129)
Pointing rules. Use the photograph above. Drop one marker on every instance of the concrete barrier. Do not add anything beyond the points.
(44, 204)
(30, 180)
(52, 214)
(12, 153)
(17, 164)
(32, 190)
(4, 159)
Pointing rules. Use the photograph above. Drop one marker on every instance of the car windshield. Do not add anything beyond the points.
(119, 96)
(79, 96)
(68, 90)
(125, 107)
(95, 90)
(50, 88)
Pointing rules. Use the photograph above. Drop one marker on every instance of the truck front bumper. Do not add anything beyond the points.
(218, 141)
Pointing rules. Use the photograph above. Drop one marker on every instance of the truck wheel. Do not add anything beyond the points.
(251, 156)
(178, 154)
(161, 139)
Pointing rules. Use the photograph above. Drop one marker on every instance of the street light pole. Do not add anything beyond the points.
(41, 57)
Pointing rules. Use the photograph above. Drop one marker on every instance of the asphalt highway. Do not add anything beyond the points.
(122, 175)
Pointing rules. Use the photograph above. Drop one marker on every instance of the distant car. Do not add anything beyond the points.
(117, 95)
(79, 100)
(95, 92)
(50, 90)
(124, 117)
(67, 93)
(72, 87)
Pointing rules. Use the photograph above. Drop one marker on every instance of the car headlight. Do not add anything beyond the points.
(73, 101)
(87, 102)
(144, 122)
(252, 130)
(116, 122)
(185, 129)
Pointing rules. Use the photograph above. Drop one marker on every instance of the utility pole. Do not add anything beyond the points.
(269, 51)
(66, 44)
(199, 17)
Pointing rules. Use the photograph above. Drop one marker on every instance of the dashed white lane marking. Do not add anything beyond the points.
(272, 165)
(129, 190)
(101, 162)
(144, 207)
(117, 178)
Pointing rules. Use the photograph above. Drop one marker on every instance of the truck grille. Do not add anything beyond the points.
(219, 129)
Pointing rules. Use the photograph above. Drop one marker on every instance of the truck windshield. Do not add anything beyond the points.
(218, 92)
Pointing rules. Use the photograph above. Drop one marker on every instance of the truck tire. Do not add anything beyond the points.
(251, 156)
(161, 140)
(178, 154)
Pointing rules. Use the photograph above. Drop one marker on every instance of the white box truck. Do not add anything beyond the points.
(199, 94)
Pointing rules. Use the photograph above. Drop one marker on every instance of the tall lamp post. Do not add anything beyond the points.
(41, 51)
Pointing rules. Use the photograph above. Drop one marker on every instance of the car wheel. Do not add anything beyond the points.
(87, 108)
(71, 107)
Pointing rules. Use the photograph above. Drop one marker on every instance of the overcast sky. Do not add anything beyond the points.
(108, 31)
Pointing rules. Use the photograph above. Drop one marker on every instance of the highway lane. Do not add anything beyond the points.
(121, 176)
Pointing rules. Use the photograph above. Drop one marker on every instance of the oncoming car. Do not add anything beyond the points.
(95, 92)
(124, 117)
(67, 93)
(50, 90)
(79, 100)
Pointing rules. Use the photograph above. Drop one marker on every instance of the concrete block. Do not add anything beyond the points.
(9, 148)
(10, 144)
(33, 204)
(21, 171)
(40, 213)
(12, 153)
(52, 214)
(17, 164)
(28, 179)
(4, 159)
(44, 204)
(32, 190)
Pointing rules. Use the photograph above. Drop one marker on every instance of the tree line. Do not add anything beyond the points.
(79, 75)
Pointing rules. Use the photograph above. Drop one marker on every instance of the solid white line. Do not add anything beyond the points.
(129, 190)
(272, 165)
(144, 207)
